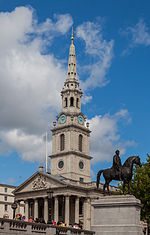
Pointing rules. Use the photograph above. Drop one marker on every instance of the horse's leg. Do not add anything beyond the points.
(107, 185)
(124, 184)
(104, 186)
(129, 187)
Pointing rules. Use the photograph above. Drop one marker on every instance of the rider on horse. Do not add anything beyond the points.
(117, 164)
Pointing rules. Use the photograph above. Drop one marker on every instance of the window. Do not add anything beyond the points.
(60, 164)
(77, 103)
(71, 101)
(80, 142)
(62, 142)
(66, 102)
(5, 190)
(5, 207)
(5, 198)
(81, 180)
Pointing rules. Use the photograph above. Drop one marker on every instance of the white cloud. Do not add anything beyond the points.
(105, 137)
(138, 34)
(86, 99)
(30, 81)
(61, 25)
(101, 52)
(30, 147)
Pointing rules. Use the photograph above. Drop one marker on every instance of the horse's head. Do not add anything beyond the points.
(137, 161)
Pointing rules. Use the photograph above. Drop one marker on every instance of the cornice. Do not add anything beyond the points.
(70, 126)
(71, 90)
(75, 114)
(71, 152)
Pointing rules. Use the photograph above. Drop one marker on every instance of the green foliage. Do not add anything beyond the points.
(140, 187)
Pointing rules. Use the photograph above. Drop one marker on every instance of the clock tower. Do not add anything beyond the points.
(70, 134)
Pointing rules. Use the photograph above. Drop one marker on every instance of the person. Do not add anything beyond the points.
(76, 226)
(36, 220)
(117, 164)
(50, 221)
(20, 217)
(31, 219)
(54, 223)
(42, 221)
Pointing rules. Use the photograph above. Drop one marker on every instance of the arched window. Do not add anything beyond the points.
(62, 142)
(66, 102)
(71, 101)
(80, 142)
(77, 102)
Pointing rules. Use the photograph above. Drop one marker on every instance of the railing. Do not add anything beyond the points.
(16, 227)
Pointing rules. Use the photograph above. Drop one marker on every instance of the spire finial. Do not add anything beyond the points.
(72, 36)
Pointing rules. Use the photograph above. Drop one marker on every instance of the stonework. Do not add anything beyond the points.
(117, 215)
(8, 227)
(39, 183)
(71, 123)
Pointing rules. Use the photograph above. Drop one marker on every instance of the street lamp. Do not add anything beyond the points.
(14, 207)
(50, 195)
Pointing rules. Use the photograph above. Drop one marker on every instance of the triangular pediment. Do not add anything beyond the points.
(40, 181)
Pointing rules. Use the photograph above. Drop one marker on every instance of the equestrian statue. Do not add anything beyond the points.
(119, 172)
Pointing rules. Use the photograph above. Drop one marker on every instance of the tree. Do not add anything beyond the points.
(140, 187)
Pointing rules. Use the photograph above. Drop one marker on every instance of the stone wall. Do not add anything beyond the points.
(14, 227)
(116, 215)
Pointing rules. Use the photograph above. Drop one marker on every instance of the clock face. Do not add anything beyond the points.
(80, 119)
(62, 118)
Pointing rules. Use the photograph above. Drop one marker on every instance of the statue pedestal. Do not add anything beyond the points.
(116, 215)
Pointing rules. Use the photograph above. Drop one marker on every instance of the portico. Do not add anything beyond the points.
(68, 203)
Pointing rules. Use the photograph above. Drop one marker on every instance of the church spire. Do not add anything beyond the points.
(72, 36)
(71, 93)
(72, 75)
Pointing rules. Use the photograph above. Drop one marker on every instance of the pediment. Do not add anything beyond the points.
(39, 181)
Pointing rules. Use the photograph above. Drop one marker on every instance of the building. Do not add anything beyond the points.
(66, 193)
(6, 200)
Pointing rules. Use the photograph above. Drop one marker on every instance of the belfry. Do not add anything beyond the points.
(70, 137)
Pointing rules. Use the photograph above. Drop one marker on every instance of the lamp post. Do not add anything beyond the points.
(14, 207)
(50, 195)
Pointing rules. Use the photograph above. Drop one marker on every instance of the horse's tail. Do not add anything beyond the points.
(98, 177)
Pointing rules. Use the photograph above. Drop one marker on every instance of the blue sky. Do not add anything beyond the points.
(112, 40)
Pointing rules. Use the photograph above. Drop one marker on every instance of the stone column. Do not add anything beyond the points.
(87, 214)
(36, 208)
(18, 207)
(56, 209)
(77, 210)
(46, 209)
(67, 210)
(27, 210)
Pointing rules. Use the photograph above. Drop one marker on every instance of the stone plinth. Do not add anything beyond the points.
(118, 215)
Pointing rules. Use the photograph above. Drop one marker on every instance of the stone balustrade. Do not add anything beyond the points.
(15, 227)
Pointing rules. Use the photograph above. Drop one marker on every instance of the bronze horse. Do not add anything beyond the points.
(126, 173)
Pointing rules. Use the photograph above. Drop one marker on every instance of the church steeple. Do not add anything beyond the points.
(72, 75)
(70, 134)
(71, 94)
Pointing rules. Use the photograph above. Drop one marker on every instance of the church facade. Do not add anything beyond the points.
(66, 193)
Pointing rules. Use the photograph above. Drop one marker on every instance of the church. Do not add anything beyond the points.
(64, 194)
